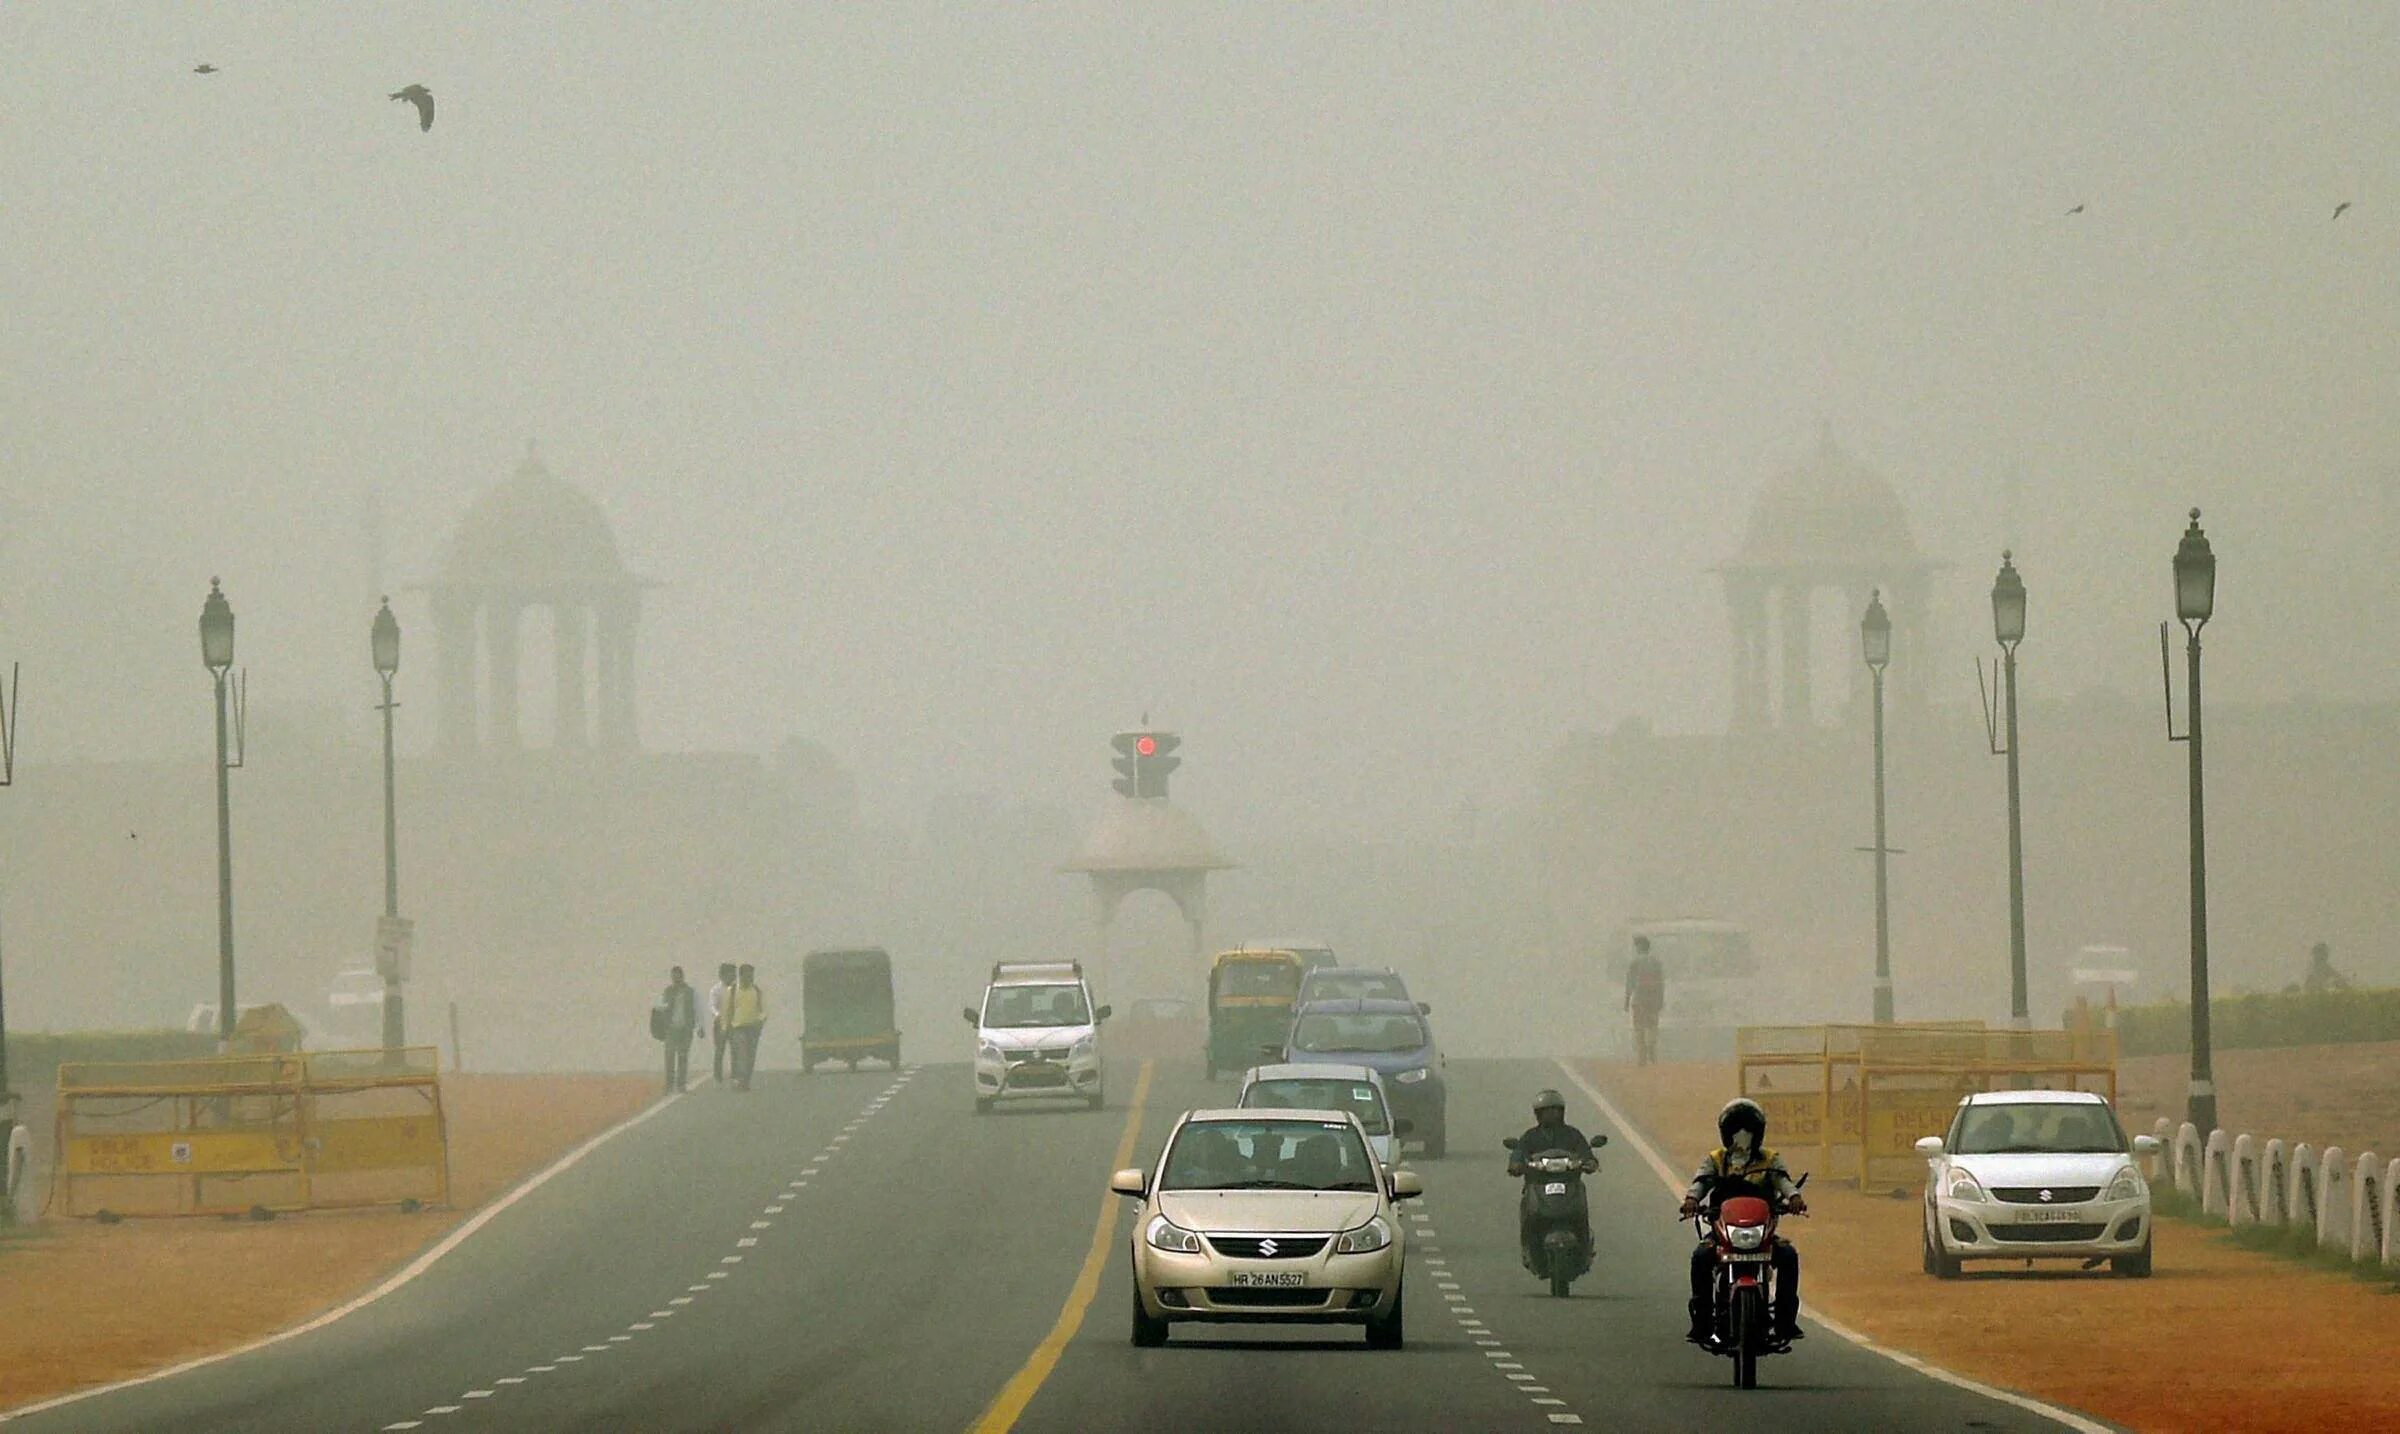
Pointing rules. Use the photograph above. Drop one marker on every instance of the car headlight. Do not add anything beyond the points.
(1959, 1185)
(1165, 1234)
(1412, 1077)
(988, 1052)
(1373, 1235)
(1746, 1237)
(2127, 1186)
(1084, 1047)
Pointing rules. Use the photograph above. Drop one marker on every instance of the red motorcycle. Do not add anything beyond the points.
(1742, 1291)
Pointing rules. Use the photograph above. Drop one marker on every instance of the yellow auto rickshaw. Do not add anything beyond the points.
(1250, 996)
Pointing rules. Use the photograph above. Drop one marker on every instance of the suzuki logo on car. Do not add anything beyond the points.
(1267, 1248)
(2045, 1197)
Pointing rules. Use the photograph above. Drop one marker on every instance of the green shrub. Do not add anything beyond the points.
(2290, 1018)
(34, 1057)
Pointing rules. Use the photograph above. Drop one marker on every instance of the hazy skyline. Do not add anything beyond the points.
(1365, 393)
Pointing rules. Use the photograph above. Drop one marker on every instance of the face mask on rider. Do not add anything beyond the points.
(1741, 1142)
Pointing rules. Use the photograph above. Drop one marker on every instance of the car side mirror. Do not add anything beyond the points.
(1407, 1185)
(1508, 1142)
(1103, 1014)
(1403, 1126)
(2145, 1145)
(1130, 1181)
(969, 1013)
(1930, 1145)
(1424, 1008)
(1598, 1141)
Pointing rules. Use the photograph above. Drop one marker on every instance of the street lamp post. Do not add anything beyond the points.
(385, 642)
(2008, 625)
(2195, 602)
(1875, 639)
(216, 653)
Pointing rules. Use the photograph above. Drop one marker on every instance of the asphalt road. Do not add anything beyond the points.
(862, 1252)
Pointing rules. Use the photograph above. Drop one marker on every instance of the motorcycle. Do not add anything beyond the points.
(1741, 1292)
(1553, 1221)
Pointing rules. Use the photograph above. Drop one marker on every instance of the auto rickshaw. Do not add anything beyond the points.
(1250, 995)
(846, 1009)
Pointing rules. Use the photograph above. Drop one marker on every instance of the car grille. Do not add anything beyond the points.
(1268, 1247)
(1031, 1077)
(1287, 1298)
(2059, 1194)
(1047, 1053)
(2045, 1234)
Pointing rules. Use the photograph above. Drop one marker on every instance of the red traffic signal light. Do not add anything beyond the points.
(1143, 762)
(1145, 746)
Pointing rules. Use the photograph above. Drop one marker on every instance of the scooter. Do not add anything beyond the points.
(1553, 1219)
(1741, 1292)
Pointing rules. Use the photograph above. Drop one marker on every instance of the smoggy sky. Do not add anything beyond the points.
(1364, 390)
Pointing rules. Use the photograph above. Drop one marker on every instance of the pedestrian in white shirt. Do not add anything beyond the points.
(718, 1031)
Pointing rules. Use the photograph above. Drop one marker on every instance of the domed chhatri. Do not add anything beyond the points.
(535, 540)
(1828, 522)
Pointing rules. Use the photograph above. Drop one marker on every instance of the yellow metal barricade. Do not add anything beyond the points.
(1810, 1082)
(283, 1131)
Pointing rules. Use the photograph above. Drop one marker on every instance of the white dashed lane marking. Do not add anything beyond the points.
(1503, 1361)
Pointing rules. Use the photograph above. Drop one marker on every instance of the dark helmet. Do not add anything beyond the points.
(1549, 1100)
(1742, 1113)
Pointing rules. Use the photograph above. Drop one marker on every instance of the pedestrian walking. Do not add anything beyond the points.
(673, 1021)
(745, 1018)
(718, 1032)
(1645, 997)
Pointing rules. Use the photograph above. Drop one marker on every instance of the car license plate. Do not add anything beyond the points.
(1269, 1279)
(1555, 1187)
(2048, 1217)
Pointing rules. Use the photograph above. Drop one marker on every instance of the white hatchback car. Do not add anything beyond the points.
(1268, 1216)
(1328, 1086)
(2035, 1174)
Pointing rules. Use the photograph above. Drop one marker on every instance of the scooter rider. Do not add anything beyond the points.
(1550, 1133)
(1743, 1157)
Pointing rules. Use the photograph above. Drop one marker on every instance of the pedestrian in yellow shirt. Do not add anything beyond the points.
(745, 1018)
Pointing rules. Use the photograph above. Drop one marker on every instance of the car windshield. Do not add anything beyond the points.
(1016, 1007)
(1257, 978)
(1373, 1031)
(2044, 1129)
(1355, 985)
(1267, 1155)
(1322, 1093)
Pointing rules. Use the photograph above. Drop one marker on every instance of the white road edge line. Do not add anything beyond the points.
(407, 1274)
(2068, 1417)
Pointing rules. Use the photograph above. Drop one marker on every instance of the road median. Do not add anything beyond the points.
(2219, 1337)
(83, 1304)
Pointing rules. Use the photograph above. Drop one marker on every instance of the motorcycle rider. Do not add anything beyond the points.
(1550, 1133)
(1744, 1160)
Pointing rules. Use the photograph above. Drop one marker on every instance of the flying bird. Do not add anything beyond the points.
(422, 98)
(2078, 209)
(2338, 208)
(204, 68)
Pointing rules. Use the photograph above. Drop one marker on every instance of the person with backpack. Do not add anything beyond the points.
(1645, 997)
(672, 1022)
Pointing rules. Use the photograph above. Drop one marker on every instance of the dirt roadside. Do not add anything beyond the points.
(83, 1303)
(2327, 1095)
(2219, 1338)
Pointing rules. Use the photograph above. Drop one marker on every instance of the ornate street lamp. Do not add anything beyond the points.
(2195, 603)
(216, 654)
(1875, 642)
(384, 642)
(2008, 626)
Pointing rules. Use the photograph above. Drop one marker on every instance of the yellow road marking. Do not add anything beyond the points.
(1004, 1412)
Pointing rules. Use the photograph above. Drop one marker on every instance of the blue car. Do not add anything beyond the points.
(1395, 1039)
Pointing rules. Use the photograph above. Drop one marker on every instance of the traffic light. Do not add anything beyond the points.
(1143, 761)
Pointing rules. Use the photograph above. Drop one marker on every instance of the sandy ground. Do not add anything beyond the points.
(2219, 1338)
(2327, 1095)
(83, 1303)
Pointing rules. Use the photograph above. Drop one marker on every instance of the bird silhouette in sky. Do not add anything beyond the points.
(204, 68)
(422, 98)
(2338, 208)
(2078, 209)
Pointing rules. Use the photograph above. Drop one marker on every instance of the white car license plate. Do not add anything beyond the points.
(1269, 1279)
(2048, 1217)
(1555, 1187)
